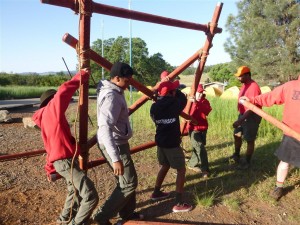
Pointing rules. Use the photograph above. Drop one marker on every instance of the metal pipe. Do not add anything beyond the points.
(63, 3)
(131, 14)
(146, 17)
(85, 13)
(21, 155)
(203, 56)
(286, 129)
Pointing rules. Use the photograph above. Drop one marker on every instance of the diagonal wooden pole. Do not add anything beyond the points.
(203, 56)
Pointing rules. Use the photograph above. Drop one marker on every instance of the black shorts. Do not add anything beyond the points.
(289, 151)
(249, 127)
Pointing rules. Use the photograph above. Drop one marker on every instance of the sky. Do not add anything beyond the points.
(31, 32)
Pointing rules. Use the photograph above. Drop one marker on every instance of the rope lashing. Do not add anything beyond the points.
(209, 25)
(82, 11)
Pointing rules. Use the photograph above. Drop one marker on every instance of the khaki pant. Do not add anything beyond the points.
(86, 198)
(122, 201)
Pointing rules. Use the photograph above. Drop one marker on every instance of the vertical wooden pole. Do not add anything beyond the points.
(84, 60)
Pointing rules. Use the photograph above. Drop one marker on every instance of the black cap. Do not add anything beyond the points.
(46, 97)
(121, 69)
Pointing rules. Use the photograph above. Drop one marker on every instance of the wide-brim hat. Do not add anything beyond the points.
(46, 97)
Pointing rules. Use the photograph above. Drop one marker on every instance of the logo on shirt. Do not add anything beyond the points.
(165, 121)
(296, 95)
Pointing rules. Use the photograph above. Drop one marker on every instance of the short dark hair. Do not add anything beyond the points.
(121, 69)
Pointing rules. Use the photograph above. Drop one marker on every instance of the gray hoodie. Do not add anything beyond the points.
(112, 117)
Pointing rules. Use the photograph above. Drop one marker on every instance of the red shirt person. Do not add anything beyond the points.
(247, 124)
(199, 110)
(289, 150)
(61, 147)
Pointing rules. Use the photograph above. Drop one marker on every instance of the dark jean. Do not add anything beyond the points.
(86, 197)
(122, 201)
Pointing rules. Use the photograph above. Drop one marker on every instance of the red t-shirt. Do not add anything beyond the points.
(250, 90)
(287, 94)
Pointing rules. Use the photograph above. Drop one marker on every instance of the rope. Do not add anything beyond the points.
(209, 25)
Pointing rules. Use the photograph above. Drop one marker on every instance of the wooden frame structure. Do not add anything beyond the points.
(85, 8)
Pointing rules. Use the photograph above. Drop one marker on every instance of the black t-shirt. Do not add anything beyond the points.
(165, 114)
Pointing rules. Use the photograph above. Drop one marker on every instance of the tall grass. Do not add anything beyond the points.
(19, 92)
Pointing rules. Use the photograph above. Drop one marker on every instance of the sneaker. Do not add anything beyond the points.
(205, 174)
(195, 169)
(184, 207)
(277, 193)
(159, 195)
(235, 158)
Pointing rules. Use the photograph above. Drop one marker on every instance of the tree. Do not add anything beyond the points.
(265, 35)
(147, 68)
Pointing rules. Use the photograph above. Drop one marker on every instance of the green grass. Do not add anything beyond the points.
(19, 92)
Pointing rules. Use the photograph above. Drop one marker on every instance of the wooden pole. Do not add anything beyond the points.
(287, 130)
(85, 13)
(203, 56)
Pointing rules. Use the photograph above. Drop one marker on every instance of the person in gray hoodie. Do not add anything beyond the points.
(113, 134)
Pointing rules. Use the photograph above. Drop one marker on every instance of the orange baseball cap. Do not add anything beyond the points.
(242, 70)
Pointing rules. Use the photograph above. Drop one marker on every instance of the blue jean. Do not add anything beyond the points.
(122, 201)
(86, 197)
(199, 155)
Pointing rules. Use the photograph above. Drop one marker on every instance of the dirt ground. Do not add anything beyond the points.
(26, 197)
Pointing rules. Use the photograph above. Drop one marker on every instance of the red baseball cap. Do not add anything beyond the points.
(167, 86)
(164, 74)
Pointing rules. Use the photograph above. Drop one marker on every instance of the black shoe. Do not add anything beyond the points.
(243, 165)
(277, 193)
(136, 216)
(234, 158)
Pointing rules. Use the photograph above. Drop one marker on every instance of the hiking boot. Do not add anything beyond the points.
(184, 207)
(277, 193)
(134, 216)
(234, 158)
(195, 169)
(159, 195)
